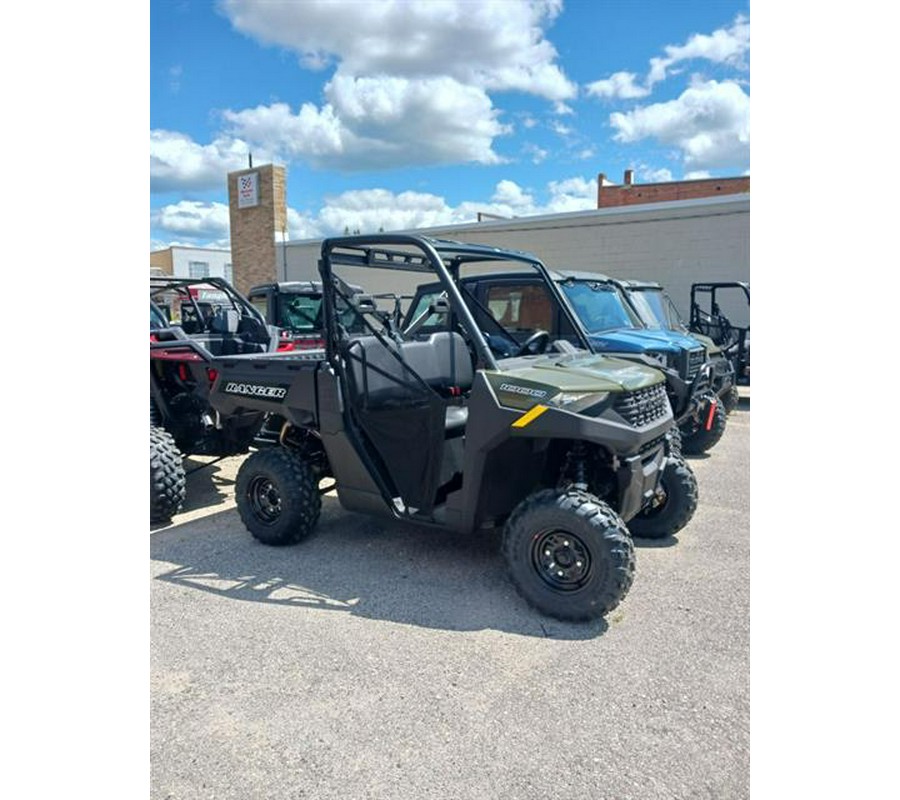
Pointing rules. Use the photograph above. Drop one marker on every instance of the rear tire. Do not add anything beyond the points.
(675, 511)
(167, 478)
(277, 496)
(569, 554)
(699, 440)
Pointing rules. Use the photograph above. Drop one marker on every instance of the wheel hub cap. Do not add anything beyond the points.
(264, 499)
(562, 560)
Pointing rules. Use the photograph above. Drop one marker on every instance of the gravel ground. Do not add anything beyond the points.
(377, 660)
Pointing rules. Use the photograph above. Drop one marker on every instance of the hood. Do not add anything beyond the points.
(577, 373)
(641, 340)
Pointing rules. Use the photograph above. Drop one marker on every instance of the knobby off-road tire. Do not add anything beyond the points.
(277, 496)
(167, 478)
(676, 510)
(698, 441)
(731, 399)
(569, 554)
(674, 437)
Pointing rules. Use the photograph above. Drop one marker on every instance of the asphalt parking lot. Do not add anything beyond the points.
(377, 660)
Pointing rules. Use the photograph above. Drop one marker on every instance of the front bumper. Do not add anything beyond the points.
(722, 377)
(689, 399)
(638, 478)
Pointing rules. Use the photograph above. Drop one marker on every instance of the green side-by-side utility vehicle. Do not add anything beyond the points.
(566, 451)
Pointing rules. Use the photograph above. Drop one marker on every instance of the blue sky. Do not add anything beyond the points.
(409, 114)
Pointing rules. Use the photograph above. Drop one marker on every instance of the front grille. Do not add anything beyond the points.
(649, 450)
(641, 407)
(695, 359)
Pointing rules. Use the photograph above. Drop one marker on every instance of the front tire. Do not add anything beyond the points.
(674, 508)
(569, 554)
(675, 439)
(731, 399)
(695, 439)
(167, 477)
(277, 496)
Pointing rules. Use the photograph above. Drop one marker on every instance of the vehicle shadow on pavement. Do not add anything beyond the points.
(369, 568)
(655, 544)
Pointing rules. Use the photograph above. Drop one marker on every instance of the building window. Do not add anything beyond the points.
(198, 269)
(229, 273)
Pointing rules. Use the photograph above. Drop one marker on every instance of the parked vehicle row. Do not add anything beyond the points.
(656, 310)
(496, 400)
(605, 313)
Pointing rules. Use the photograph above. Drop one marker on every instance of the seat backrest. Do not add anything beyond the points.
(441, 360)
(224, 320)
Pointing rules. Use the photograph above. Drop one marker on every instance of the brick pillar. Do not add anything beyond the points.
(255, 221)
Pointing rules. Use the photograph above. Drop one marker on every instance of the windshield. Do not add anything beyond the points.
(434, 320)
(656, 309)
(600, 306)
(300, 313)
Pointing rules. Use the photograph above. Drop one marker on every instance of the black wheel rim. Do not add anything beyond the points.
(265, 499)
(561, 559)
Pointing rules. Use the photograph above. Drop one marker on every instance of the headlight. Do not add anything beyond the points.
(577, 401)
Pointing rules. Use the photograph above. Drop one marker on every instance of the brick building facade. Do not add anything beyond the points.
(630, 193)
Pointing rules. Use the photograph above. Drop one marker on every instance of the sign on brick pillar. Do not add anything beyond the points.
(257, 212)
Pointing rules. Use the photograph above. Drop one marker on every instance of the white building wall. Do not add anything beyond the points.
(675, 243)
(216, 259)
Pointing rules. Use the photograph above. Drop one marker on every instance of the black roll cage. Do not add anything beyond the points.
(442, 257)
(711, 289)
(160, 284)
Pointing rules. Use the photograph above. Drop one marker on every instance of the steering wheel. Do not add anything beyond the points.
(500, 347)
(535, 344)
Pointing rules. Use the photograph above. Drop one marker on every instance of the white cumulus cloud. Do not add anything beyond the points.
(177, 162)
(378, 123)
(620, 84)
(371, 210)
(573, 194)
(651, 175)
(509, 193)
(192, 219)
(722, 46)
(495, 44)
(709, 122)
(412, 80)
(412, 85)
(728, 46)
(301, 226)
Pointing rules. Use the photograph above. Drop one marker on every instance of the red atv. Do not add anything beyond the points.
(191, 321)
